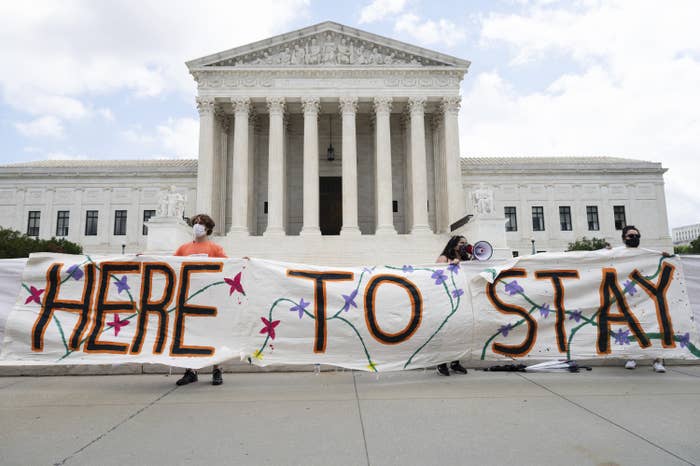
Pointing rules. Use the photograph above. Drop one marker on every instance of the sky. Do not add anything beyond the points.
(107, 80)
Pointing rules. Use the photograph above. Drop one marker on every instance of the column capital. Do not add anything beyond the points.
(275, 104)
(222, 119)
(405, 119)
(252, 117)
(310, 105)
(417, 104)
(241, 104)
(382, 104)
(347, 104)
(435, 121)
(205, 105)
(451, 104)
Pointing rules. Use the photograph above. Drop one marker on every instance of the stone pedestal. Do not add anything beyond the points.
(166, 234)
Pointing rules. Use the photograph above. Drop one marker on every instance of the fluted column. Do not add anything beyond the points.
(222, 127)
(419, 170)
(385, 220)
(239, 175)
(453, 170)
(252, 192)
(348, 109)
(205, 163)
(275, 170)
(310, 106)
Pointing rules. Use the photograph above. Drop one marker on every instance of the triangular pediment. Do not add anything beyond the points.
(328, 44)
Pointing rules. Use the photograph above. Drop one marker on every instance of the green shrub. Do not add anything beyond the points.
(585, 244)
(15, 244)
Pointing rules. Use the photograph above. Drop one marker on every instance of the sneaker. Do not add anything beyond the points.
(457, 367)
(216, 378)
(659, 366)
(189, 377)
(630, 364)
(443, 370)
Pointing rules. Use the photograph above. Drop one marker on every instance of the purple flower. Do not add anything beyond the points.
(622, 338)
(630, 288)
(122, 285)
(368, 270)
(439, 276)
(545, 310)
(300, 308)
(407, 268)
(684, 340)
(513, 288)
(453, 268)
(349, 300)
(457, 293)
(504, 329)
(575, 315)
(75, 272)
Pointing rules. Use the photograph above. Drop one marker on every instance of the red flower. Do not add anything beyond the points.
(269, 327)
(235, 284)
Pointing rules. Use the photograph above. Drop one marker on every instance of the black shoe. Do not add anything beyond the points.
(457, 367)
(216, 378)
(189, 377)
(443, 370)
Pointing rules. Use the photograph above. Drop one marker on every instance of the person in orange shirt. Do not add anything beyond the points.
(202, 227)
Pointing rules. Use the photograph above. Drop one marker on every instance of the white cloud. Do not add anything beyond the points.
(46, 126)
(106, 113)
(635, 94)
(429, 32)
(64, 156)
(180, 137)
(380, 9)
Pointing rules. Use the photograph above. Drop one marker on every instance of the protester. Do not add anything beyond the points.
(454, 252)
(202, 227)
(631, 237)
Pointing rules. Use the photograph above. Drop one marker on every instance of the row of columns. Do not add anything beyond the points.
(207, 168)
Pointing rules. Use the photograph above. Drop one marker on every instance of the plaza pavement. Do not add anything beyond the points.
(604, 417)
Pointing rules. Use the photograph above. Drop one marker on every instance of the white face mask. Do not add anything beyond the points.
(199, 230)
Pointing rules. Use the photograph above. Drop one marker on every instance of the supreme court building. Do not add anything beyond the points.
(331, 145)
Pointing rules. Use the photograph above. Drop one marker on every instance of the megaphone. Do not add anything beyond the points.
(482, 250)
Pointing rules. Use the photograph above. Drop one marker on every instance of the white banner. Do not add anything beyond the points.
(194, 312)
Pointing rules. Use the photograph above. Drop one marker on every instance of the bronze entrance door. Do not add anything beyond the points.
(331, 205)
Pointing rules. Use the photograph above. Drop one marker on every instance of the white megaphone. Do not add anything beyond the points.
(482, 250)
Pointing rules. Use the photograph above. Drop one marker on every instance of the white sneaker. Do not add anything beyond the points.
(630, 364)
(659, 366)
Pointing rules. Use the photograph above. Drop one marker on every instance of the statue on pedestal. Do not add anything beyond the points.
(483, 200)
(171, 204)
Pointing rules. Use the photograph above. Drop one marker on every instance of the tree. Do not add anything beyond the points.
(585, 244)
(15, 244)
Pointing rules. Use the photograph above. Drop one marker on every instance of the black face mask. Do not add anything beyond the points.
(632, 242)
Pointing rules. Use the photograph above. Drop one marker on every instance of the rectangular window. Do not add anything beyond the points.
(511, 219)
(147, 214)
(620, 220)
(565, 217)
(62, 222)
(592, 215)
(119, 222)
(537, 218)
(91, 223)
(33, 223)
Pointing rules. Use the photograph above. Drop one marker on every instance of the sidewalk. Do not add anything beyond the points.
(604, 417)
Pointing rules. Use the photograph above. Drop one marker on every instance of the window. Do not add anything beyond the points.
(91, 223)
(592, 215)
(537, 218)
(62, 223)
(620, 221)
(119, 222)
(511, 219)
(147, 214)
(565, 217)
(33, 223)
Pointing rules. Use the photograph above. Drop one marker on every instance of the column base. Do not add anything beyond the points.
(350, 231)
(274, 231)
(238, 231)
(421, 230)
(310, 231)
(385, 230)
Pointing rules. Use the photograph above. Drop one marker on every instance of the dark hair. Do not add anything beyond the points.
(449, 250)
(628, 228)
(205, 220)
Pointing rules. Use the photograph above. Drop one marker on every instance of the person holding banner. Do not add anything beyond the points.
(202, 227)
(456, 250)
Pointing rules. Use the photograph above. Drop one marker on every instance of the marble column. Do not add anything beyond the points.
(239, 174)
(348, 110)
(205, 164)
(310, 106)
(223, 125)
(383, 181)
(275, 170)
(453, 169)
(419, 169)
(441, 206)
(252, 214)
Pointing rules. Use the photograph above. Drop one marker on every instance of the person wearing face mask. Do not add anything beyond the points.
(631, 237)
(202, 227)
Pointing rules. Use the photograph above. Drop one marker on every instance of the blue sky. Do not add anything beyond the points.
(107, 80)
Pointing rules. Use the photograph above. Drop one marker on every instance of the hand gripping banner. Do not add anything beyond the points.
(194, 312)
